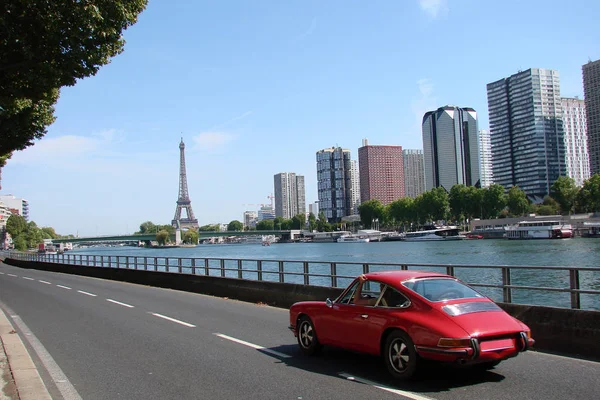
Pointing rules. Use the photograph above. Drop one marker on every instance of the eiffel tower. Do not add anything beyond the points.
(183, 202)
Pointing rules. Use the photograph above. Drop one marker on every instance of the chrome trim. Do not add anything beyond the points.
(441, 351)
(476, 348)
(524, 341)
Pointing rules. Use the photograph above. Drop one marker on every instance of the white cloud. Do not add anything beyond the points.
(432, 7)
(211, 141)
(62, 148)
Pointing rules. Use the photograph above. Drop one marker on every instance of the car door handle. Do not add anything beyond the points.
(364, 316)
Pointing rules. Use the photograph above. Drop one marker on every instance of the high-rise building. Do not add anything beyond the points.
(313, 208)
(414, 174)
(266, 212)
(355, 190)
(334, 183)
(485, 159)
(450, 148)
(381, 173)
(526, 131)
(290, 198)
(576, 146)
(250, 219)
(16, 203)
(591, 91)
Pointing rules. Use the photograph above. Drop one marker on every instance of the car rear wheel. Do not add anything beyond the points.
(307, 336)
(400, 355)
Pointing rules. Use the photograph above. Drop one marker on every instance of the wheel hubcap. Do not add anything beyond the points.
(399, 356)
(306, 334)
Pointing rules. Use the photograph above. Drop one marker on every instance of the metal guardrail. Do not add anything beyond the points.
(330, 273)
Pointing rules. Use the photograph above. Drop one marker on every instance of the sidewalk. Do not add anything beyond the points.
(19, 378)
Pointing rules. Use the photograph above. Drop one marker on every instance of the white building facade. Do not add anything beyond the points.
(16, 203)
(355, 189)
(485, 159)
(250, 219)
(576, 145)
(414, 172)
(290, 197)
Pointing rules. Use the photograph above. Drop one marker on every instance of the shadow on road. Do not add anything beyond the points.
(432, 377)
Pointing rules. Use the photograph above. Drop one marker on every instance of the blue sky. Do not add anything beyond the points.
(257, 87)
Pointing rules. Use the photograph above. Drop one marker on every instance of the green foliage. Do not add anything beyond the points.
(517, 201)
(545, 210)
(209, 228)
(162, 237)
(190, 236)
(298, 221)
(46, 45)
(434, 204)
(16, 225)
(369, 211)
(147, 227)
(589, 195)
(20, 243)
(265, 225)
(401, 211)
(312, 222)
(493, 201)
(49, 233)
(235, 226)
(564, 191)
(322, 224)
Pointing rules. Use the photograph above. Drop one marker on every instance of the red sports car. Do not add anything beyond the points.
(408, 315)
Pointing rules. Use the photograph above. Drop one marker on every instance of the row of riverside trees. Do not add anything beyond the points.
(27, 235)
(464, 203)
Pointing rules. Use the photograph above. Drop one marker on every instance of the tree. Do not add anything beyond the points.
(265, 225)
(458, 202)
(235, 226)
(147, 227)
(162, 237)
(209, 228)
(517, 201)
(299, 221)
(16, 225)
(312, 222)
(49, 233)
(190, 236)
(434, 204)
(46, 45)
(369, 211)
(564, 191)
(493, 201)
(401, 210)
(589, 196)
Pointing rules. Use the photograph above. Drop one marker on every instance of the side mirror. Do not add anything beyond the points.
(329, 303)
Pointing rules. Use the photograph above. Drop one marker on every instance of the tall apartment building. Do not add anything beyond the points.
(16, 203)
(334, 183)
(450, 147)
(485, 159)
(576, 146)
(381, 173)
(414, 172)
(313, 208)
(591, 90)
(266, 212)
(250, 219)
(290, 198)
(527, 136)
(355, 191)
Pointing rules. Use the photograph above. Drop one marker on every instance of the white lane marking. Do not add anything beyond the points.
(45, 282)
(565, 358)
(119, 303)
(86, 293)
(1, 273)
(28, 278)
(63, 384)
(12, 275)
(64, 287)
(254, 346)
(173, 320)
(404, 393)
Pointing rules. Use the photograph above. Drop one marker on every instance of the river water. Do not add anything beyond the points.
(579, 252)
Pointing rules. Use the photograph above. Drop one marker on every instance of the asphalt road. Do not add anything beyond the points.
(116, 340)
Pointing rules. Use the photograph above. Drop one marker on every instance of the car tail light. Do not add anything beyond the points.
(454, 342)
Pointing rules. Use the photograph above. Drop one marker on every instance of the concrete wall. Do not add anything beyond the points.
(559, 330)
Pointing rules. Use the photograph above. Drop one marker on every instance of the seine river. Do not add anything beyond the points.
(579, 252)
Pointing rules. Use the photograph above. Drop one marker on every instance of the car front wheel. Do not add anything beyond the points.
(400, 355)
(307, 336)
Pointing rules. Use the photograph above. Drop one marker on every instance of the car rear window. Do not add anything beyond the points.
(440, 289)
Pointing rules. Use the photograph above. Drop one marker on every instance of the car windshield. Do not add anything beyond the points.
(440, 289)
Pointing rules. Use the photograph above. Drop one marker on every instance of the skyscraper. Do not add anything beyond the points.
(591, 90)
(289, 195)
(576, 146)
(355, 190)
(414, 174)
(381, 173)
(485, 159)
(21, 206)
(450, 148)
(334, 183)
(526, 127)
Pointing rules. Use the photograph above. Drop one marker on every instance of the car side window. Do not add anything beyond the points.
(391, 298)
(348, 297)
(368, 293)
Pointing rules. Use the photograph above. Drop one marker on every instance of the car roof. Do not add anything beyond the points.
(394, 277)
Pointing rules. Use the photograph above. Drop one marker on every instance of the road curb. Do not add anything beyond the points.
(28, 382)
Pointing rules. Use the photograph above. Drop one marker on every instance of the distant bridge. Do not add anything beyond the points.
(152, 236)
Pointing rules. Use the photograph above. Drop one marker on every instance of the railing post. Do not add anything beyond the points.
(259, 268)
(193, 266)
(239, 265)
(506, 290)
(365, 268)
(281, 272)
(333, 274)
(156, 263)
(109, 261)
(574, 285)
(179, 266)
(404, 267)
(145, 263)
(206, 267)
(94, 260)
(306, 277)
(102, 261)
(87, 260)
(127, 262)
(450, 270)
(222, 267)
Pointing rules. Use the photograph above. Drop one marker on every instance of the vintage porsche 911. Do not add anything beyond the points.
(406, 316)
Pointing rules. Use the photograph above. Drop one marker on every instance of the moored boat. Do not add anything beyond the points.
(352, 239)
(539, 230)
(437, 233)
